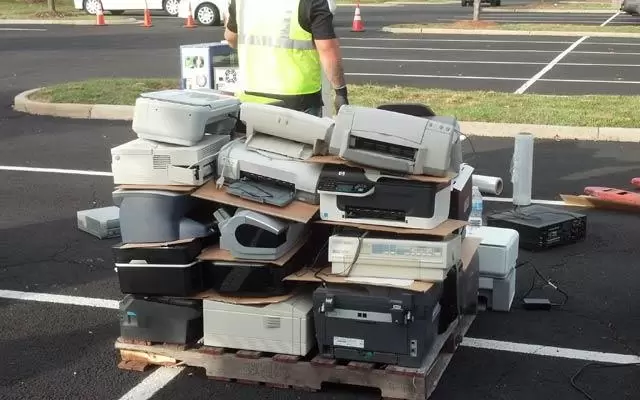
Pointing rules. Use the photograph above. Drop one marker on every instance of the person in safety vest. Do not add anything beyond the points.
(282, 46)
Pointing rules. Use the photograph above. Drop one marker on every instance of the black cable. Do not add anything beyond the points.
(544, 279)
(598, 365)
(473, 148)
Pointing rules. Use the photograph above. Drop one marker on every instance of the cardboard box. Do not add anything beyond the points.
(443, 230)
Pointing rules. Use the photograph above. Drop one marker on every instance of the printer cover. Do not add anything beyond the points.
(498, 251)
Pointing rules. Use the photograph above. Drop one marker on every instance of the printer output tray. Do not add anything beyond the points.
(182, 253)
(249, 279)
(371, 328)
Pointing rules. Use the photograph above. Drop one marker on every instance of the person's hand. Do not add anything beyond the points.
(341, 98)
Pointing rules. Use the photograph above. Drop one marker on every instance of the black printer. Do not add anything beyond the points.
(376, 324)
(161, 319)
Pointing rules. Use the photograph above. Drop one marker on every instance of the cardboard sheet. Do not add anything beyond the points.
(309, 275)
(255, 301)
(215, 253)
(339, 161)
(169, 188)
(296, 211)
(442, 230)
(469, 247)
(150, 245)
(594, 202)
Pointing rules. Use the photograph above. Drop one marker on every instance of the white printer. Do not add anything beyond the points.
(498, 255)
(145, 162)
(392, 141)
(183, 116)
(282, 328)
(284, 131)
(384, 257)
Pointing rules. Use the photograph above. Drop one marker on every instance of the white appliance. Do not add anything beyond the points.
(497, 257)
(182, 117)
(145, 162)
(393, 258)
(236, 161)
(282, 328)
(284, 131)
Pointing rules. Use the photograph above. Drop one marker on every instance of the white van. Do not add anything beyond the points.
(205, 12)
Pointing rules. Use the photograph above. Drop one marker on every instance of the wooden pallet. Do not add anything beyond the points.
(305, 373)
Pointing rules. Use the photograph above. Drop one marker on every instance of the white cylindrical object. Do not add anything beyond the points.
(522, 169)
(487, 184)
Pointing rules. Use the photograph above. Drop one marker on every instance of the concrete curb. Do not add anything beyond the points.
(397, 3)
(83, 22)
(22, 103)
(548, 11)
(498, 32)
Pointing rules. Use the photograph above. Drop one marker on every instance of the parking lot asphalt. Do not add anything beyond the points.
(42, 251)
(462, 62)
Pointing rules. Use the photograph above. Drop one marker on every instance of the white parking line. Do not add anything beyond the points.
(548, 67)
(152, 383)
(637, 43)
(482, 78)
(549, 351)
(54, 170)
(610, 19)
(59, 299)
(24, 29)
(445, 49)
(444, 61)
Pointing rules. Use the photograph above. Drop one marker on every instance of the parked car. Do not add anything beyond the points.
(205, 12)
(493, 3)
(117, 7)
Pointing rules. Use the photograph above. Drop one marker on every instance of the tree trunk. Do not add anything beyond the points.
(52, 5)
(476, 10)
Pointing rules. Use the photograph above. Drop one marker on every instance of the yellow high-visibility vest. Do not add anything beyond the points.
(276, 55)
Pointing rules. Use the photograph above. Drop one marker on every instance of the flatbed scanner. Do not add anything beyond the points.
(399, 142)
(183, 116)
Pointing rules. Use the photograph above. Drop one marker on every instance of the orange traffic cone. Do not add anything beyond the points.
(190, 22)
(147, 16)
(358, 25)
(100, 16)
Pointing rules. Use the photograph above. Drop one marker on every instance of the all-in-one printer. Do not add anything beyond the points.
(358, 195)
(498, 255)
(393, 141)
(376, 324)
(284, 131)
(254, 236)
(282, 328)
(385, 256)
(299, 179)
(183, 116)
(146, 162)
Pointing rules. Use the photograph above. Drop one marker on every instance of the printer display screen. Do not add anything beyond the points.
(403, 152)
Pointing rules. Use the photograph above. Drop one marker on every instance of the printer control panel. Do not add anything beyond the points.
(344, 179)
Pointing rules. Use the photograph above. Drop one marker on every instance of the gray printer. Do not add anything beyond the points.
(393, 141)
(254, 236)
(376, 324)
(152, 216)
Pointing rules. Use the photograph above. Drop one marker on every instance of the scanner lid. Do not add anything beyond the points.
(194, 97)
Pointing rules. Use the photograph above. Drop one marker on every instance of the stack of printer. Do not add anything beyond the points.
(163, 228)
(214, 245)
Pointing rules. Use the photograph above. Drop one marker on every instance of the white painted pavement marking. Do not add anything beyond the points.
(152, 383)
(454, 49)
(54, 170)
(59, 299)
(485, 78)
(533, 201)
(610, 19)
(548, 67)
(573, 64)
(636, 43)
(24, 29)
(549, 351)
